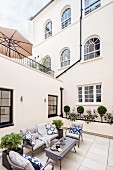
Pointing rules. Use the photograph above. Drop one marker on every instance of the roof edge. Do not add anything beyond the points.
(41, 10)
(68, 68)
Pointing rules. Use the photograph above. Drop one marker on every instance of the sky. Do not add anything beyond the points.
(15, 13)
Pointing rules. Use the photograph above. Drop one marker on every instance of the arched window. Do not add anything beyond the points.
(92, 49)
(47, 62)
(66, 18)
(91, 5)
(65, 58)
(48, 30)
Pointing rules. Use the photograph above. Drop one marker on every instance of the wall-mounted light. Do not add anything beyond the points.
(45, 100)
(21, 98)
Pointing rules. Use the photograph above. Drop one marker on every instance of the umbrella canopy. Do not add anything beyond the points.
(13, 44)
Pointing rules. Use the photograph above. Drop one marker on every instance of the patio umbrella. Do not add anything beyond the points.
(13, 44)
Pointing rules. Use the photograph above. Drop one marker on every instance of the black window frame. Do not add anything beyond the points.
(10, 122)
(54, 106)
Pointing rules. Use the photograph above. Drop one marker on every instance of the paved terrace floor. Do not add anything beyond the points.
(95, 153)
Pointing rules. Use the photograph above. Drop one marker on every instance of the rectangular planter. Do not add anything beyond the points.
(60, 133)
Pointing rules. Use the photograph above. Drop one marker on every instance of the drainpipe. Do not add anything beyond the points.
(81, 29)
(61, 101)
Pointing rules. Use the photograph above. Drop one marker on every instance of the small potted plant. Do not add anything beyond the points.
(101, 110)
(58, 123)
(10, 142)
(66, 109)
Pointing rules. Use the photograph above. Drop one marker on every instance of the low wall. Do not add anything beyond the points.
(101, 129)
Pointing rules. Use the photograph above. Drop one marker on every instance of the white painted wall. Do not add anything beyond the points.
(69, 37)
(34, 86)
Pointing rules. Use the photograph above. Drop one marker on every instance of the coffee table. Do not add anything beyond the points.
(57, 156)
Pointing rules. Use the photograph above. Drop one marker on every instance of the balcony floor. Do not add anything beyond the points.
(95, 153)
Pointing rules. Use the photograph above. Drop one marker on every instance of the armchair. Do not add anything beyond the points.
(22, 163)
(78, 135)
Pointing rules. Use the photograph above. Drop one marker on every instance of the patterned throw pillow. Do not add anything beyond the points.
(75, 130)
(51, 129)
(28, 136)
(35, 162)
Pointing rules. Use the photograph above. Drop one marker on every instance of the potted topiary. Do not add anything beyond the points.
(58, 124)
(80, 110)
(10, 142)
(101, 110)
(66, 109)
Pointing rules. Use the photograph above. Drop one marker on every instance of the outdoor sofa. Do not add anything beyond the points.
(42, 135)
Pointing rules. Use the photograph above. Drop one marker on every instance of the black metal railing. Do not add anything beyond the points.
(28, 62)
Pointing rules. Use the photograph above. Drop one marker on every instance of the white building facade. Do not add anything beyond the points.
(55, 33)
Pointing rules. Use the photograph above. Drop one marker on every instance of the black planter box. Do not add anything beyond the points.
(5, 162)
(60, 133)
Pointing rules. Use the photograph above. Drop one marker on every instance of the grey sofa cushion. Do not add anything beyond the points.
(19, 161)
(38, 144)
(53, 136)
(33, 129)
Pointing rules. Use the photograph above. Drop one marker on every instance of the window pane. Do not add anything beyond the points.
(80, 100)
(80, 88)
(97, 53)
(91, 55)
(91, 47)
(5, 94)
(98, 98)
(5, 102)
(5, 114)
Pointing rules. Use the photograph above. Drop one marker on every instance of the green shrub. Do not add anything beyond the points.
(66, 109)
(58, 123)
(80, 109)
(11, 141)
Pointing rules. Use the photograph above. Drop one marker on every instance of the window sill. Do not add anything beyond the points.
(63, 68)
(6, 125)
(90, 60)
(89, 104)
(53, 115)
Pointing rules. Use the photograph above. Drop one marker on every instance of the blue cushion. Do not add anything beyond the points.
(75, 130)
(35, 163)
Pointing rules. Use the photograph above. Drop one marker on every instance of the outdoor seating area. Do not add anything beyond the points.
(94, 153)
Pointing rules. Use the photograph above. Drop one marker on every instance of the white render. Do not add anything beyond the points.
(34, 86)
(93, 24)
(98, 23)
